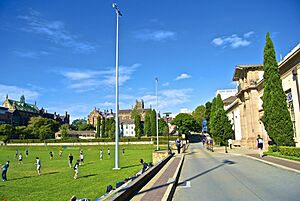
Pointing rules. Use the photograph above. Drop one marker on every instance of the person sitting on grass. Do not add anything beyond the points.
(145, 165)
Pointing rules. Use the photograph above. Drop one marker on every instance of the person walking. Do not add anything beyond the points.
(60, 153)
(4, 171)
(70, 160)
(26, 153)
(260, 145)
(101, 154)
(178, 144)
(51, 155)
(81, 158)
(108, 152)
(38, 165)
(76, 169)
(123, 151)
(17, 153)
(230, 143)
(20, 158)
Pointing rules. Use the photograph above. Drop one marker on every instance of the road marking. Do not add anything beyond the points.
(185, 184)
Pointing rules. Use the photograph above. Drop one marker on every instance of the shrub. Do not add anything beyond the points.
(289, 151)
(273, 148)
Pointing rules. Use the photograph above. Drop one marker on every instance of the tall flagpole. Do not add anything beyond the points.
(157, 144)
(118, 13)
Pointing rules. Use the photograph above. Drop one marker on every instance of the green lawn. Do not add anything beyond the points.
(56, 181)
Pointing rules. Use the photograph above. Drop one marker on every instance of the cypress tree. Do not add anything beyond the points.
(276, 119)
(103, 134)
(147, 123)
(153, 122)
(98, 126)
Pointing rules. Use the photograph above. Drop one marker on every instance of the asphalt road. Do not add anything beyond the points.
(213, 176)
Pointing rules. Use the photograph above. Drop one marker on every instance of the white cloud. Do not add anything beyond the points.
(155, 35)
(15, 92)
(31, 54)
(233, 41)
(178, 96)
(248, 34)
(183, 76)
(166, 84)
(54, 31)
(88, 80)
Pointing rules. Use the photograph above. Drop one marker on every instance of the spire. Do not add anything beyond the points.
(22, 99)
(35, 103)
(6, 97)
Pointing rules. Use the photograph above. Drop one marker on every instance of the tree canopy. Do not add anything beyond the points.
(185, 123)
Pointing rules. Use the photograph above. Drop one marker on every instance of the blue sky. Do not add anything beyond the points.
(62, 53)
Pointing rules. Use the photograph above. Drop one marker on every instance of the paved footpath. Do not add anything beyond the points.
(214, 176)
(158, 188)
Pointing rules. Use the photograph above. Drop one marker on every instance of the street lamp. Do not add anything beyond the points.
(118, 14)
(157, 146)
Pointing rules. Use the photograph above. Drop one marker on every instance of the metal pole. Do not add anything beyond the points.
(117, 92)
(157, 144)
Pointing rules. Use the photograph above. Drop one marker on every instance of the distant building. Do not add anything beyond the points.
(18, 113)
(77, 134)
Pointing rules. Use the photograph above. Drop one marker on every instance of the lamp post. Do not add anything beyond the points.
(118, 14)
(157, 144)
(167, 116)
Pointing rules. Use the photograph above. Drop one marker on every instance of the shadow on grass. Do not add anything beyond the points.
(90, 175)
(26, 177)
(129, 166)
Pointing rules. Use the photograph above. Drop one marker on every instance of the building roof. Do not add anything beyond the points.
(24, 106)
(229, 100)
(290, 54)
(241, 67)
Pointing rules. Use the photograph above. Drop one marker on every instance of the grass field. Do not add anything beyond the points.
(56, 181)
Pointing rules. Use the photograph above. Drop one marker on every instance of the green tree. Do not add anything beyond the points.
(153, 121)
(21, 131)
(147, 123)
(103, 133)
(163, 128)
(98, 126)
(64, 129)
(6, 131)
(207, 114)
(276, 118)
(220, 125)
(110, 127)
(42, 127)
(185, 123)
(137, 122)
(199, 113)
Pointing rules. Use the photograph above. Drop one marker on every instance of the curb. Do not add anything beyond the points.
(266, 162)
(172, 186)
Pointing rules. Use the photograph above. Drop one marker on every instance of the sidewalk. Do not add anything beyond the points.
(160, 186)
(271, 160)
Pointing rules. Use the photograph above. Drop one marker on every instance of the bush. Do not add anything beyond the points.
(290, 151)
(273, 148)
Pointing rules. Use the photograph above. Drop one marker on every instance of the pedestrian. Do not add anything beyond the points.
(230, 143)
(108, 152)
(101, 154)
(60, 153)
(20, 158)
(17, 153)
(123, 151)
(260, 145)
(38, 165)
(178, 144)
(144, 165)
(81, 158)
(26, 153)
(76, 169)
(70, 160)
(4, 171)
(51, 155)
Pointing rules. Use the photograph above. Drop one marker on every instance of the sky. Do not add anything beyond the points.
(61, 54)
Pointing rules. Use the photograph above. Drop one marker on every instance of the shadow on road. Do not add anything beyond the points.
(194, 138)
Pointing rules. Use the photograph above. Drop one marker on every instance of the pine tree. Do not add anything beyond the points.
(276, 119)
(137, 122)
(98, 127)
(153, 122)
(103, 134)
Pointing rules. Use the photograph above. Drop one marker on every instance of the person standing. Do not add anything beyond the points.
(38, 165)
(101, 154)
(20, 158)
(17, 153)
(178, 144)
(260, 145)
(60, 153)
(26, 153)
(4, 171)
(76, 169)
(51, 155)
(123, 151)
(108, 152)
(70, 160)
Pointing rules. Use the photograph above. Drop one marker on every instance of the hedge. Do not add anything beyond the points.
(162, 140)
(287, 151)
